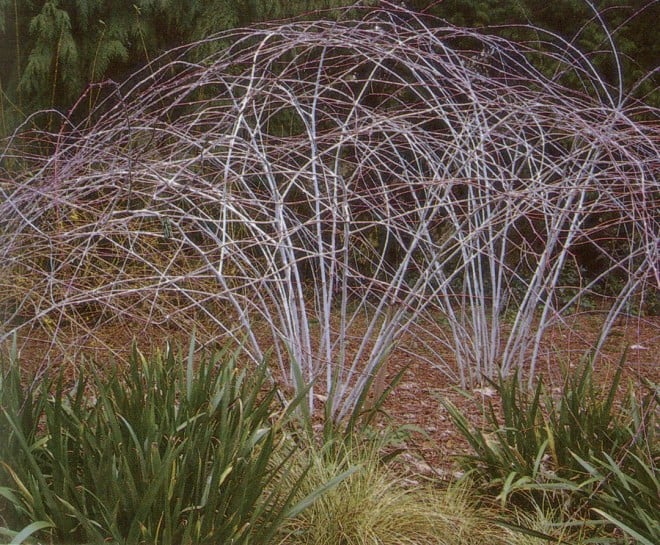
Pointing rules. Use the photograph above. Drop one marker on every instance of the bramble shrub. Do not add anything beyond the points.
(343, 183)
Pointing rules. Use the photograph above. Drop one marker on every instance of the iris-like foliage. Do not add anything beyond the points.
(165, 451)
(581, 452)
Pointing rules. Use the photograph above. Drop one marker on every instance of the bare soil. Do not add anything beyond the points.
(416, 400)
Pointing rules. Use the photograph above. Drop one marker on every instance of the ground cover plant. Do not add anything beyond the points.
(378, 505)
(578, 451)
(162, 451)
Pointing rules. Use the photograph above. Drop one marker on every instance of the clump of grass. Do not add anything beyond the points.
(376, 505)
(165, 451)
(580, 453)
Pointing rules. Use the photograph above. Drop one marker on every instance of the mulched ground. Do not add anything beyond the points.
(416, 400)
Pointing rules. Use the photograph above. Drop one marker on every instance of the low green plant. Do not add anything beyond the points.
(161, 451)
(377, 505)
(579, 452)
(627, 495)
(626, 490)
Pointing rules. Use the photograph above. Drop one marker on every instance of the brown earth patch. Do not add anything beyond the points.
(416, 400)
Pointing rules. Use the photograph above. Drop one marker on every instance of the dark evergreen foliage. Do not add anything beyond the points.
(54, 48)
(629, 23)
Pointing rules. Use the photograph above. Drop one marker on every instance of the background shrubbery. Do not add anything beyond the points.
(54, 49)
